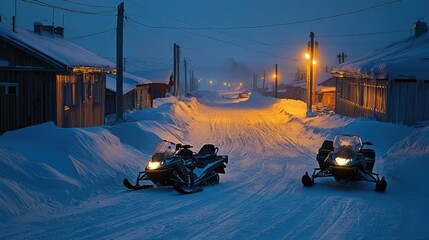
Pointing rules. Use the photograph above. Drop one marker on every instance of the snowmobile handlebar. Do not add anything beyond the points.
(179, 145)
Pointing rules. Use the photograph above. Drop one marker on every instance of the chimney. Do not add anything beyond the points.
(49, 29)
(59, 31)
(38, 27)
(420, 28)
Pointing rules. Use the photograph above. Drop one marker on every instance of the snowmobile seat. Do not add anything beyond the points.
(206, 154)
(328, 145)
(324, 150)
(369, 155)
(207, 150)
(185, 153)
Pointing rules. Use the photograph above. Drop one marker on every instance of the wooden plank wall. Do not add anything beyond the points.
(35, 99)
(410, 101)
(361, 98)
(143, 99)
(86, 110)
(404, 101)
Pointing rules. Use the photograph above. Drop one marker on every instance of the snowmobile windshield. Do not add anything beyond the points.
(163, 150)
(346, 146)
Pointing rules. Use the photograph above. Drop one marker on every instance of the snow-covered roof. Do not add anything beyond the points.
(54, 47)
(320, 78)
(129, 82)
(404, 59)
(156, 76)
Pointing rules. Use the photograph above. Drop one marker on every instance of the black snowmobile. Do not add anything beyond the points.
(346, 160)
(176, 165)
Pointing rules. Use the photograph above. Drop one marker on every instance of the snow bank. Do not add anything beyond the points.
(407, 161)
(44, 166)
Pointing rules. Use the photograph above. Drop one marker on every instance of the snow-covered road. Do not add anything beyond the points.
(270, 144)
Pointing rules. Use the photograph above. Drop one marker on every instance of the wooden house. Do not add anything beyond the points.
(325, 90)
(44, 77)
(390, 84)
(158, 87)
(133, 99)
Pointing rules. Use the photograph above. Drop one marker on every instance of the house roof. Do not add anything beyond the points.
(321, 77)
(54, 48)
(156, 76)
(405, 59)
(129, 82)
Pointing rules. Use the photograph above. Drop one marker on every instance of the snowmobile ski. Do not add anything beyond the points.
(187, 190)
(128, 185)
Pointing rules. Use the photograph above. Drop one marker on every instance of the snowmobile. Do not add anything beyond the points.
(346, 160)
(176, 165)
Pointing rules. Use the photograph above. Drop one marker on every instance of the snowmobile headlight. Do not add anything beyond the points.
(153, 165)
(342, 161)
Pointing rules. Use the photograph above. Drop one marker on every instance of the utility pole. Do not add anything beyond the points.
(186, 78)
(119, 63)
(191, 81)
(277, 76)
(178, 69)
(263, 84)
(310, 80)
(174, 70)
(341, 57)
(14, 19)
(254, 82)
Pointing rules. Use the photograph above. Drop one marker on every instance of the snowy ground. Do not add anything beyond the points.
(67, 183)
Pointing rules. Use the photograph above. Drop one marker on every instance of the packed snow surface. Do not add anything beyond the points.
(67, 183)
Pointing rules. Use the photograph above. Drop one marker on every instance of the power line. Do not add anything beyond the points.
(44, 4)
(232, 35)
(88, 5)
(92, 34)
(222, 41)
(274, 24)
(362, 34)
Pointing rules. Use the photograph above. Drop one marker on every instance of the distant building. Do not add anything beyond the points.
(159, 86)
(325, 90)
(390, 84)
(46, 78)
(133, 94)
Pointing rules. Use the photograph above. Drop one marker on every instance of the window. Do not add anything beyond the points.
(89, 88)
(8, 89)
(82, 90)
(96, 90)
(67, 96)
(73, 94)
(12, 90)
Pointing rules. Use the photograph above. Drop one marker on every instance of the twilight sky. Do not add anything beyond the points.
(218, 37)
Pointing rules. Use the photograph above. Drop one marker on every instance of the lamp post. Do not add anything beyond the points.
(311, 62)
